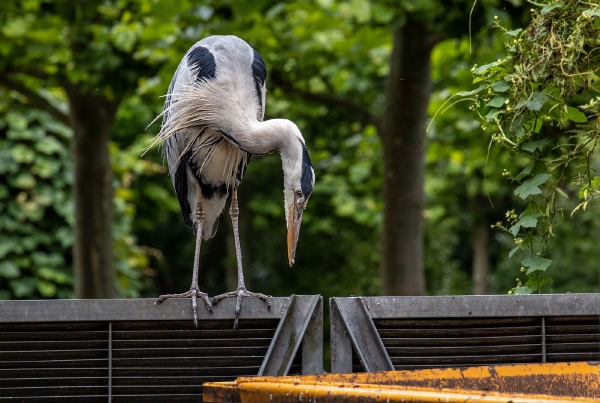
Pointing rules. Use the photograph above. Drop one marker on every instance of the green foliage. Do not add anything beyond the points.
(35, 206)
(36, 211)
(539, 102)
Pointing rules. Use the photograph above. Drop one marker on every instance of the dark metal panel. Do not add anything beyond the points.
(312, 342)
(484, 306)
(341, 345)
(362, 332)
(289, 334)
(130, 350)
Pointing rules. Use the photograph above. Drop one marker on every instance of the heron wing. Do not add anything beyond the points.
(198, 65)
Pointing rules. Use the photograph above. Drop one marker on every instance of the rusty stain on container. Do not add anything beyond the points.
(526, 383)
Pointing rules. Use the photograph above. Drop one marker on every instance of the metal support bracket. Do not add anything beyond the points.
(290, 335)
(353, 314)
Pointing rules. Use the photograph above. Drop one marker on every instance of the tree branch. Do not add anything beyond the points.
(364, 114)
(35, 99)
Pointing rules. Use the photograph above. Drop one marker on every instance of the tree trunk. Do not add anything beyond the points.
(481, 252)
(92, 117)
(481, 258)
(402, 128)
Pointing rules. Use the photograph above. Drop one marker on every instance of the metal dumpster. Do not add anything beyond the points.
(559, 382)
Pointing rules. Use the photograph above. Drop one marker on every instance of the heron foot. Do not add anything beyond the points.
(239, 294)
(194, 293)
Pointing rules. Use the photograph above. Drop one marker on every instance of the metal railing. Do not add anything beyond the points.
(132, 350)
(387, 333)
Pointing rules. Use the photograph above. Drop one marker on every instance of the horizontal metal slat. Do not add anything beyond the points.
(52, 364)
(54, 336)
(183, 371)
(464, 351)
(572, 329)
(213, 343)
(19, 372)
(566, 357)
(451, 342)
(41, 327)
(170, 379)
(52, 345)
(189, 398)
(455, 323)
(187, 361)
(43, 391)
(573, 348)
(53, 381)
(189, 352)
(157, 390)
(458, 333)
(573, 320)
(202, 325)
(191, 334)
(453, 360)
(572, 338)
(52, 355)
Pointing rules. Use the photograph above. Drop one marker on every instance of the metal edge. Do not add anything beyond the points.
(220, 392)
(312, 342)
(132, 309)
(289, 334)
(483, 306)
(363, 334)
(341, 345)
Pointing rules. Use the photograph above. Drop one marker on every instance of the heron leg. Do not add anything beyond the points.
(194, 293)
(241, 291)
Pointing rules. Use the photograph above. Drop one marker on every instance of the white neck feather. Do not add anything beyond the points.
(282, 135)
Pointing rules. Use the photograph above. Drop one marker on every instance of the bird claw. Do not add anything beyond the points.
(239, 294)
(193, 294)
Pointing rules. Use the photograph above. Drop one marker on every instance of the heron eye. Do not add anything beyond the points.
(299, 193)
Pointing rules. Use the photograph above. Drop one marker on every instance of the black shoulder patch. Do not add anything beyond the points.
(259, 72)
(306, 181)
(181, 187)
(202, 63)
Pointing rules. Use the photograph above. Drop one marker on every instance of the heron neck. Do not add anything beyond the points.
(283, 135)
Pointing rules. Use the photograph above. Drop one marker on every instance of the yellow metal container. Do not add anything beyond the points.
(560, 382)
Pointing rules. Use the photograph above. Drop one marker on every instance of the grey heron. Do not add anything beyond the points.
(212, 125)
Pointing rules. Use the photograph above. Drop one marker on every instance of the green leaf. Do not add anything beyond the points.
(530, 186)
(524, 290)
(485, 67)
(472, 92)
(576, 115)
(535, 263)
(551, 7)
(512, 252)
(561, 192)
(529, 221)
(497, 102)
(46, 288)
(524, 172)
(531, 146)
(492, 114)
(9, 269)
(537, 101)
(500, 86)
(22, 287)
(514, 32)
(23, 154)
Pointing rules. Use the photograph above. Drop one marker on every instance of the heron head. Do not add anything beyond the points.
(299, 180)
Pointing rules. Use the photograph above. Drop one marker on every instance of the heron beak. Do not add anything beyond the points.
(294, 221)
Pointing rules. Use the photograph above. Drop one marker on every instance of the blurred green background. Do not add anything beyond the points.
(327, 60)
